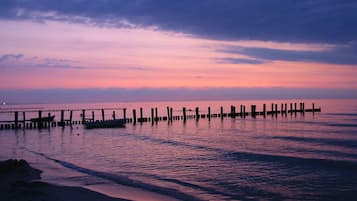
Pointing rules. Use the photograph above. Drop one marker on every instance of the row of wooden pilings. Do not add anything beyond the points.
(44, 122)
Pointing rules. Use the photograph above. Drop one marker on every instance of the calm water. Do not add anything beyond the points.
(302, 157)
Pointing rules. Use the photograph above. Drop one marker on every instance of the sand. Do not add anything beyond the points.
(20, 182)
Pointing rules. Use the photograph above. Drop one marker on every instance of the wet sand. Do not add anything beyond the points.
(20, 182)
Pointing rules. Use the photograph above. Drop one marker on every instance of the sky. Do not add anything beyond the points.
(208, 49)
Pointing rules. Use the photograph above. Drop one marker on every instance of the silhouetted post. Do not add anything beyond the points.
(103, 115)
(171, 113)
(168, 113)
(184, 114)
(209, 114)
(152, 115)
(40, 119)
(197, 113)
(93, 116)
(252, 110)
(303, 107)
(16, 119)
(232, 112)
(62, 118)
(141, 115)
(221, 112)
(276, 109)
(295, 108)
(286, 108)
(264, 110)
(313, 107)
(70, 117)
(124, 114)
(24, 118)
(134, 116)
(244, 111)
(272, 108)
(83, 116)
(113, 115)
(156, 115)
(291, 108)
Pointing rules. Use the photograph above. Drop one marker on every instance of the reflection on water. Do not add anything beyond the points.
(311, 156)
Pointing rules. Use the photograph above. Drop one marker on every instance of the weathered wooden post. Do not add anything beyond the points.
(152, 115)
(24, 118)
(244, 113)
(124, 114)
(70, 117)
(103, 115)
(168, 113)
(156, 115)
(313, 107)
(272, 108)
(40, 119)
(264, 110)
(286, 108)
(209, 114)
(93, 118)
(276, 109)
(184, 114)
(303, 107)
(221, 112)
(141, 115)
(62, 118)
(232, 112)
(197, 113)
(252, 110)
(291, 108)
(171, 113)
(295, 108)
(134, 116)
(113, 115)
(16, 119)
(241, 111)
(83, 116)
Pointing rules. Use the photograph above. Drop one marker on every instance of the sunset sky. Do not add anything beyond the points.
(161, 45)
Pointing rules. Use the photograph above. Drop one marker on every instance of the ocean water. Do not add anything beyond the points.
(293, 157)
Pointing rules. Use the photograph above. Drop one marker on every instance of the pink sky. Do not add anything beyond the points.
(67, 55)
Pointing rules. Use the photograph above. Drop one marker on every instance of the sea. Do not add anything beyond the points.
(310, 156)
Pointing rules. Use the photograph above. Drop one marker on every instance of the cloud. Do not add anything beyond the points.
(318, 21)
(240, 61)
(340, 54)
(16, 61)
(7, 57)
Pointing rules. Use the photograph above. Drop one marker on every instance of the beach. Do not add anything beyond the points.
(19, 181)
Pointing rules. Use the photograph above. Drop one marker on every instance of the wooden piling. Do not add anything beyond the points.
(70, 117)
(156, 115)
(103, 119)
(197, 113)
(141, 115)
(124, 114)
(171, 113)
(295, 108)
(113, 115)
(209, 114)
(62, 118)
(152, 115)
(40, 119)
(184, 114)
(83, 116)
(134, 116)
(93, 117)
(221, 115)
(16, 119)
(264, 110)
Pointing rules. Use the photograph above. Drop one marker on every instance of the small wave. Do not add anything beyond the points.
(294, 160)
(123, 180)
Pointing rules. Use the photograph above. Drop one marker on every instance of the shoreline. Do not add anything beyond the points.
(21, 182)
